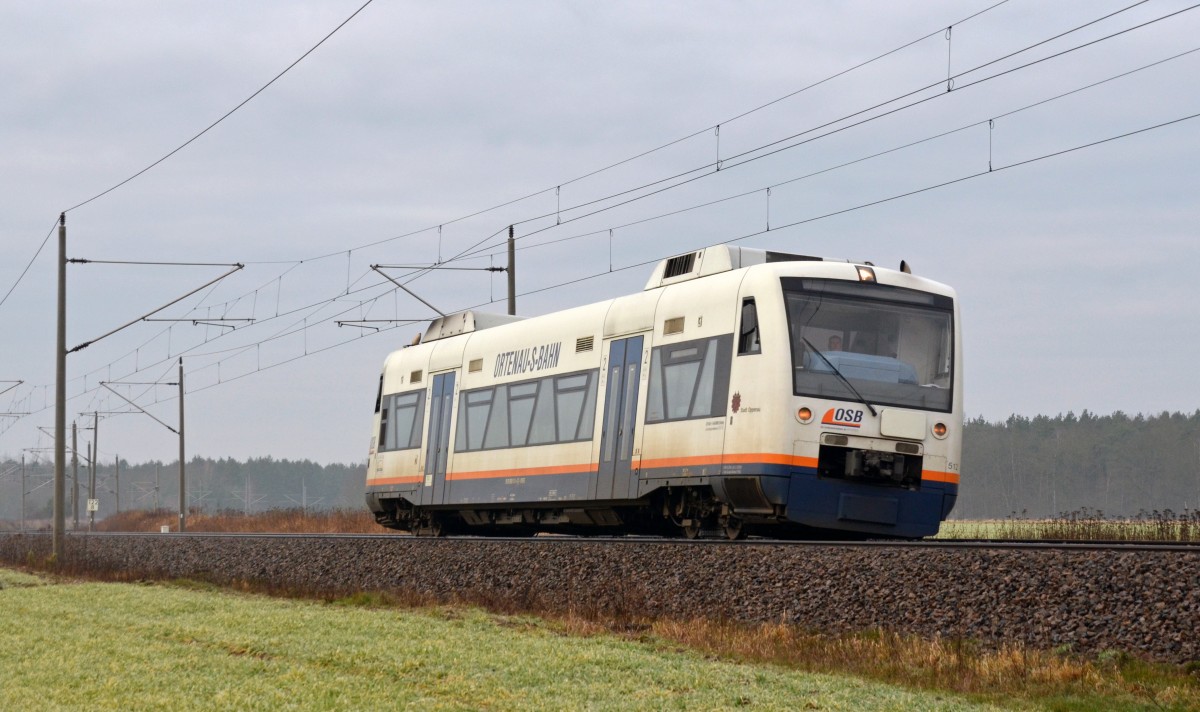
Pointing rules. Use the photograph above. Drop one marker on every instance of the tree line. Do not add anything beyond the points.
(1033, 467)
(1044, 466)
(212, 485)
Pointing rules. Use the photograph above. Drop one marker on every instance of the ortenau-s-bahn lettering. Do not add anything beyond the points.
(534, 358)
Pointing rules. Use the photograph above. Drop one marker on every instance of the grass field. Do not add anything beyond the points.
(120, 646)
(184, 646)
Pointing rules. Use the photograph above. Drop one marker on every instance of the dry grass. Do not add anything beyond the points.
(1083, 525)
(277, 521)
(1062, 680)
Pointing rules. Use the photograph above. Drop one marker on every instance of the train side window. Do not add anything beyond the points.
(553, 409)
(748, 337)
(570, 395)
(475, 406)
(521, 399)
(497, 425)
(689, 380)
(587, 419)
(541, 431)
(400, 420)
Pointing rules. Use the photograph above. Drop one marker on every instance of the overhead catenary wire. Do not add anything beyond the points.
(340, 251)
(705, 169)
(861, 206)
(286, 331)
(557, 186)
(226, 115)
(530, 195)
(845, 164)
(511, 201)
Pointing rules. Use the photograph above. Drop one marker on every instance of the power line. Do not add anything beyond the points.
(516, 200)
(862, 159)
(648, 152)
(892, 198)
(325, 303)
(823, 216)
(749, 153)
(31, 261)
(227, 114)
(181, 146)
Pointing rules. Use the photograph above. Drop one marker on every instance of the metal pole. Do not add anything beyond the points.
(157, 485)
(22, 492)
(60, 395)
(75, 474)
(91, 484)
(182, 490)
(117, 476)
(95, 464)
(512, 273)
(92, 467)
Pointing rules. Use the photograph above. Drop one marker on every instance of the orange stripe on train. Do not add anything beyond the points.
(584, 469)
(698, 461)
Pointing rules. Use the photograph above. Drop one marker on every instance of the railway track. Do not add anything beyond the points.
(1139, 597)
(1014, 544)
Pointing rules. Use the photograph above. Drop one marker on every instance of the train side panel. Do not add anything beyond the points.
(525, 412)
(688, 388)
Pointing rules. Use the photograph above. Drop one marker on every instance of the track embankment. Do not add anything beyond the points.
(1142, 602)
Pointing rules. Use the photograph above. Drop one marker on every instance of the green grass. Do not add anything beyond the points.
(104, 646)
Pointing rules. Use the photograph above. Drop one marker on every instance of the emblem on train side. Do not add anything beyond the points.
(737, 402)
(534, 358)
(843, 417)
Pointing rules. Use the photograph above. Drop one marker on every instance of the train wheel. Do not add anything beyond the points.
(430, 525)
(691, 529)
(733, 529)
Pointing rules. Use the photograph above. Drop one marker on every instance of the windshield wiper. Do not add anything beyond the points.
(845, 380)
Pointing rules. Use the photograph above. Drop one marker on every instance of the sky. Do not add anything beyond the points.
(395, 141)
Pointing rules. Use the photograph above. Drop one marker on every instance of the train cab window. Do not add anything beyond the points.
(400, 421)
(748, 336)
(881, 344)
(385, 442)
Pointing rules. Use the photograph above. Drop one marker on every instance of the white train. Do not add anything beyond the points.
(742, 390)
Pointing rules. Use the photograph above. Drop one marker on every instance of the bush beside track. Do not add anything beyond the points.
(1087, 601)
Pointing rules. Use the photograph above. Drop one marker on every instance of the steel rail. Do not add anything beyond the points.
(633, 540)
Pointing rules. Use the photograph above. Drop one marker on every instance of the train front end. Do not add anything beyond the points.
(876, 401)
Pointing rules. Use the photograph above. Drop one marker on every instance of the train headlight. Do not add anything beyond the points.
(940, 430)
(865, 274)
(804, 415)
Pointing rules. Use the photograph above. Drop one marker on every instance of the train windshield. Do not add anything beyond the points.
(893, 345)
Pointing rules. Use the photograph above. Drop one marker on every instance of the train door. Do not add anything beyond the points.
(620, 410)
(441, 405)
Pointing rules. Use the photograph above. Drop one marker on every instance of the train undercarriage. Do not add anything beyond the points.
(688, 512)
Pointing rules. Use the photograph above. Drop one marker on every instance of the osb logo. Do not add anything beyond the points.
(845, 417)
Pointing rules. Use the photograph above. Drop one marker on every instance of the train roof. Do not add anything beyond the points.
(700, 263)
(464, 323)
(717, 259)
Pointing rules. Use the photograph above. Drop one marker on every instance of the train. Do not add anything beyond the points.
(743, 391)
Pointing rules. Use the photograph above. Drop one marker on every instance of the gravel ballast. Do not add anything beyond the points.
(1142, 602)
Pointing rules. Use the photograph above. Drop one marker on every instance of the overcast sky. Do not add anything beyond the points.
(1074, 272)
